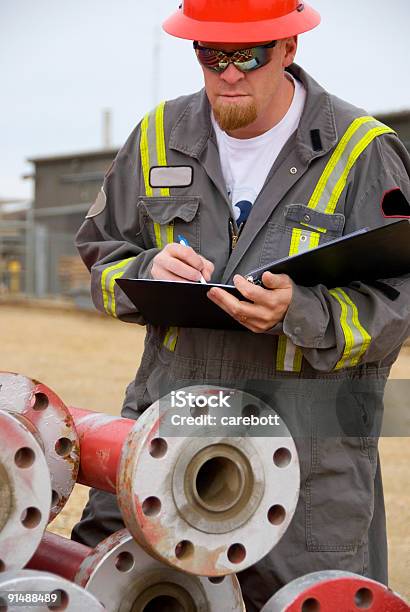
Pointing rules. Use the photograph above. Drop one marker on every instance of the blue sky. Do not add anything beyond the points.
(62, 63)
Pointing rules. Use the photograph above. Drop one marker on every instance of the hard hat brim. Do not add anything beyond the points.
(294, 23)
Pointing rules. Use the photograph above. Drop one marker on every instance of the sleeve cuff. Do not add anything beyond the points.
(306, 320)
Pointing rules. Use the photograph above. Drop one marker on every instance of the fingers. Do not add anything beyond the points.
(276, 281)
(179, 262)
(208, 269)
(238, 310)
(265, 308)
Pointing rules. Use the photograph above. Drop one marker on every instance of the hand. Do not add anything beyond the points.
(270, 304)
(177, 262)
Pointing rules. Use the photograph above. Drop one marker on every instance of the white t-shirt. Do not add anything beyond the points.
(247, 162)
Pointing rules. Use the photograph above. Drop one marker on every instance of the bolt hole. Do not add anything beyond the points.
(276, 515)
(184, 550)
(40, 401)
(216, 579)
(24, 457)
(151, 506)
(250, 410)
(124, 562)
(197, 411)
(363, 598)
(62, 600)
(236, 553)
(2, 566)
(55, 498)
(63, 447)
(158, 448)
(311, 605)
(282, 457)
(31, 517)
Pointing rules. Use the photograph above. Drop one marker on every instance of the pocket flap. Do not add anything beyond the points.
(313, 219)
(162, 210)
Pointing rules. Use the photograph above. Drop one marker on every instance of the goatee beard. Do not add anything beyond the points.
(231, 117)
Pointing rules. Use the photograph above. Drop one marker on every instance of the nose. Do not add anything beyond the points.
(232, 75)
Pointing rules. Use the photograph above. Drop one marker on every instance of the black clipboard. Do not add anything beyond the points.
(367, 255)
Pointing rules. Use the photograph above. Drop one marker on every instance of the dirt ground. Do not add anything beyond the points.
(88, 360)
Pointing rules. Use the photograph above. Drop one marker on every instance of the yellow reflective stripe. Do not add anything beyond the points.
(170, 233)
(295, 240)
(366, 337)
(347, 332)
(280, 353)
(158, 237)
(357, 151)
(322, 230)
(320, 187)
(106, 284)
(357, 339)
(144, 149)
(171, 338)
(314, 240)
(161, 149)
(112, 292)
(297, 361)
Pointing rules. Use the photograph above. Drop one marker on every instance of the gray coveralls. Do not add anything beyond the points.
(345, 335)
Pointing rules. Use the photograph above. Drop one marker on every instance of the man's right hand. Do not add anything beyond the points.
(177, 262)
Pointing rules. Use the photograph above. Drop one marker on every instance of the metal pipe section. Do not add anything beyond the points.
(53, 428)
(124, 577)
(327, 591)
(101, 439)
(207, 505)
(40, 592)
(25, 492)
(59, 556)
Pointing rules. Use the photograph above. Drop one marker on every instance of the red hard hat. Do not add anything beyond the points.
(241, 20)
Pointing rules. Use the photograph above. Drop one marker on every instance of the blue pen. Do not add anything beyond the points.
(182, 240)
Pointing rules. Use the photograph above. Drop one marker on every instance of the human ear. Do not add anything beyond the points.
(290, 48)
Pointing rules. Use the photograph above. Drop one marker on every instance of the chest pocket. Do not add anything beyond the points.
(163, 219)
(303, 229)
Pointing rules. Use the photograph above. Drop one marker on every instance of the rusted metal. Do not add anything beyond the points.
(27, 587)
(330, 591)
(25, 492)
(54, 429)
(59, 556)
(125, 578)
(209, 506)
(101, 440)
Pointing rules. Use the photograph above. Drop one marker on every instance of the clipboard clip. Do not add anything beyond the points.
(253, 280)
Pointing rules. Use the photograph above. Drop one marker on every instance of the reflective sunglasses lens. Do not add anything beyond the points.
(212, 58)
(244, 59)
(250, 59)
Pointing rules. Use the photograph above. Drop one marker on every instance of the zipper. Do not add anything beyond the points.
(235, 233)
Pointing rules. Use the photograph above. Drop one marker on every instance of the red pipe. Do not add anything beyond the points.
(101, 440)
(59, 556)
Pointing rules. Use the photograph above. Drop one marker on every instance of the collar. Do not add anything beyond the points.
(193, 128)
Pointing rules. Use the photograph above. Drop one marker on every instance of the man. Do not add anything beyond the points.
(261, 164)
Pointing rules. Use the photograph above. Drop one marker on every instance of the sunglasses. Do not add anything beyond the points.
(243, 59)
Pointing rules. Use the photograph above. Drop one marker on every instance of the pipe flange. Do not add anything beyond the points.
(40, 590)
(210, 506)
(25, 493)
(123, 577)
(327, 591)
(54, 425)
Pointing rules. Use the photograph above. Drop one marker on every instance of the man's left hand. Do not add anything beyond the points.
(270, 303)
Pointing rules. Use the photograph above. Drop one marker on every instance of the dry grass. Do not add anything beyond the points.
(88, 360)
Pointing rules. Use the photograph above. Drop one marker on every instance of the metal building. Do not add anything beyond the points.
(65, 188)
